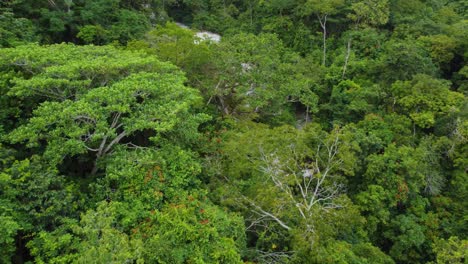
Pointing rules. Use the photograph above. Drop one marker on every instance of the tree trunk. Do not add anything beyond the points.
(95, 168)
(323, 24)
(348, 51)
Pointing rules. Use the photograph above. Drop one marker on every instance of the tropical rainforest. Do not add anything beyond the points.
(314, 131)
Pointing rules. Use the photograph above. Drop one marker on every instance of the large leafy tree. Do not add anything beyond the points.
(93, 105)
(81, 112)
(181, 47)
(250, 82)
(104, 116)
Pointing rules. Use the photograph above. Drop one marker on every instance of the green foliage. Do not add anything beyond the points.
(180, 46)
(342, 252)
(102, 242)
(395, 200)
(129, 25)
(401, 60)
(15, 31)
(91, 34)
(105, 115)
(71, 71)
(316, 131)
(349, 102)
(328, 7)
(441, 48)
(94, 120)
(377, 132)
(144, 179)
(275, 172)
(190, 230)
(34, 200)
(372, 13)
(452, 250)
(96, 238)
(10, 226)
(101, 12)
(249, 82)
(58, 246)
(425, 99)
(59, 21)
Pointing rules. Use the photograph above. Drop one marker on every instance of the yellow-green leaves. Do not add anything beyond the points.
(65, 71)
(425, 98)
(125, 93)
(370, 12)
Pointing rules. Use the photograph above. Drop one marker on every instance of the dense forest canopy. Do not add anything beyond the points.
(315, 131)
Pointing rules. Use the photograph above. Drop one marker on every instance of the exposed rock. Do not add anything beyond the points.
(203, 35)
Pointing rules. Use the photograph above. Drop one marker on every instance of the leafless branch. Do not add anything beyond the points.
(308, 186)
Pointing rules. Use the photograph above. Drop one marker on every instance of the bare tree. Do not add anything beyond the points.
(348, 53)
(306, 184)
